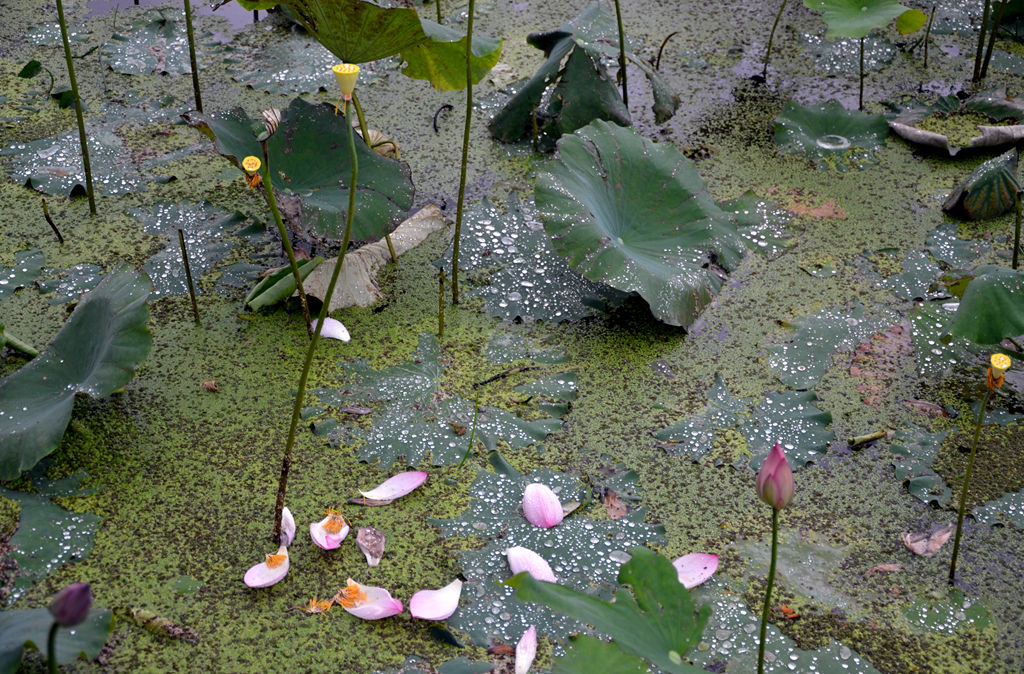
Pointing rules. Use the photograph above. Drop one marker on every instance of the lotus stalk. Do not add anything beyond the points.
(860, 91)
(188, 277)
(998, 365)
(192, 55)
(771, 40)
(981, 41)
(286, 461)
(465, 152)
(998, 19)
(69, 608)
(1016, 229)
(437, 3)
(927, 35)
(364, 131)
(622, 53)
(775, 487)
(78, 107)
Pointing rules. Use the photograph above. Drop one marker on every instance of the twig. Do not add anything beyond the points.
(657, 61)
(864, 439)
(188, 277)
(446, 106)
(502, 375)
(53, 226)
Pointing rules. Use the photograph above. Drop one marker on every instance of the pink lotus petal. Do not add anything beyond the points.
(333, 329)
(324, 538)
(695, 568)
(541, 507)
(377, 603)
(522, 559)
(263, 575)
(526, 650)
(436, 604)
(287, 527)
(396, 486)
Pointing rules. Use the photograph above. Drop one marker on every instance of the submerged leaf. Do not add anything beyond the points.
(791, 419)
(914, 451)
(26, 267)
(693, 436)
(830, 134)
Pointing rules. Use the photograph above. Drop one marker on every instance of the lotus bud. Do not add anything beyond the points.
(71, 605)
(346, 74)
(775, 480)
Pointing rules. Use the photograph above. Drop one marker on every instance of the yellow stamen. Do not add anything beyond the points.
(350, 596)
(254, 180)
(276, 559)
(317, 606)
(335, 522)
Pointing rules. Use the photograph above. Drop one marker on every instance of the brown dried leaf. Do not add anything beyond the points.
(925, 407)
(457, 429)
(926, 545)
(501, 649)
(355, 410)
(616, 509)
(211, 386)
(884, 568)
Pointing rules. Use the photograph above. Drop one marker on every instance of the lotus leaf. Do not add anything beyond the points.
(509, 348)
(158, 43)
(791, 419)
(934, 350)
(830, 134)
(1007, 509)
(993, 104)
(22, 627)
(360, 31)
(635, 215)
(855, 18)
(71, 283)
(588, 654)
(914, 450)
(26, 267)
(945, 246)
(842, 56)
(948, 614)
(988, 192)
(916, 278)
(761, 223)
(992, 308)
(309, 158)
(694, 435)
(96, 352)
(279, 285)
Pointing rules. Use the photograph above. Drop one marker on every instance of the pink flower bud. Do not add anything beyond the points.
(775, 480)
(71, 605)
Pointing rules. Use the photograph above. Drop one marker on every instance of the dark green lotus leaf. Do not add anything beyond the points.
(588, 654)
(636, 215)
(26, 267)
(555, 394)
(309, 157)
(916, 279)
(71, 283)
(855, 18)
(158, 43)
(949, 614)
(911, 21)
(280, 285)
(830, 134)
(584, 552)
(792, 420)
(801, 361)
(360, 31)
(462, 666)
(914, 450)
(506, 348)
(761, 223)
(694, 435)
(96, 352)
(31, 627)
(996, 104)
(48, 536)
(1007, 509)
(988, 192)
(935, 351)
(992, 308)
(842, 56)
(655, 620)
(946, 246)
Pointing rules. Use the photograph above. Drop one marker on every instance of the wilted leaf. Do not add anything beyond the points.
(615, 508)
(878, 360)
(988, 192)
(884, 568)
(927, 544)
(924, 407)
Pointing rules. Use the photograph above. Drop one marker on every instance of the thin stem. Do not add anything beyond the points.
(365, 132)
(78, 107)
(440, 303)
(927, 33)
(268, 189)
(966, 484)
(768, 592)
(60, 239)
(192, 55)
(51, 647)
(465, 152)
(771, 40)
(981, 42)
(286, 462)
(188, 277)
(472, 433)
(1016, 230)
(622, 53)
(860, 96)
(438, 4)
(657, 61)
(992, 37)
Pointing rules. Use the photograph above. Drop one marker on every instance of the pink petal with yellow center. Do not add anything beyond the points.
(378, 604)
(695, 568)
(396, 486)
(541, 507)
(287, 527)
(523, 559)
(324, 538)
(436, 604)
(526, 650)
(264, 575)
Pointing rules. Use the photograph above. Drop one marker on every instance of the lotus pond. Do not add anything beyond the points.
(658, 278)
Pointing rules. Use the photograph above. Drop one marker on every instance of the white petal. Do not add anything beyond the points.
(323, 538)
(396, 486)
(526, 650)
(436, 604)
(695, 568)
(287, 527)
(333, 329)
(541, 507)
(262, 575)
(523, 559)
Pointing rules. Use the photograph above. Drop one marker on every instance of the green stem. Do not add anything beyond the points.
(51, 642)
(768, 592)
(981, 42)
(992, 37)
(440, 303)
(1016, 230)
(438, 3)
(78, 107)
(192, 55)
(365, 131)
(927, 33)
(472, 433)
(860, 96)
(771, 39)
(268, 189)
(188, 277)
(966, 484)
(622, 53)
(465, 152)
(286, 462)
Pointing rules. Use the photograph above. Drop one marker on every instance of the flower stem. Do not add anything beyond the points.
(996, 20)
(768, 592)
(1016, 230)
(472, 433)
(268, 188)
(438, 3)
(622, 53)
(927, 35)
(966, 484)
(365, 132)
(192, 55)
(440, 303)
(78, 107)
(51, 646)
(188, 277)
(286, 462)
(465, 152)
(771, 39)
(981, 41)
(860, 95)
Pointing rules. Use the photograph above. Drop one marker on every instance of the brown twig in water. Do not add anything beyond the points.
(446, 106)
(657, 61)
(49, 221)
(502, 375)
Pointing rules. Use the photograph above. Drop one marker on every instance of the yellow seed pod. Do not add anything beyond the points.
(346, 74)
(251, 164)
(1000, 363)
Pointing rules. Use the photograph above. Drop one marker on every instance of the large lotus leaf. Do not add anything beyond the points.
(585, 553)
(694, 435)
(945, 246)
(1007, 509)
(830, 134)
(360, 31)
(988, 192)
(656, 620)
(309, 157)
(635, 215)
(761, 223)
(96, 352)
(24, 627)
(914, 282)
(48, 536)
(792, 420)
(914, 450)
(588, 654)
(992, 307)
(158, 43)
(26, 267)
(934, 350)
(948, 614)
(855, 18)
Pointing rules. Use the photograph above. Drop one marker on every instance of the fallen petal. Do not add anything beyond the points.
(526, 650)
(695, 568)
(541, 507)
(287, 527)
(329, 532)
(371, 542)
(396, 486)
(436, 604)
(880, 568)
(270, 571)
(523, 559)
(333, 329)
(367, 602)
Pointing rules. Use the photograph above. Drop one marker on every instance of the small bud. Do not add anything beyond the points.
(775, 480)
(71, 605)
(346, 74)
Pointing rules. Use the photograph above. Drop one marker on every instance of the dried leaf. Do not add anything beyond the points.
(355, 410)
(877, 360)
(616, 509)
(925, 407)
(926, 545)
(501, 649)
(884, 568)
(158, 625)
(211, 386)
